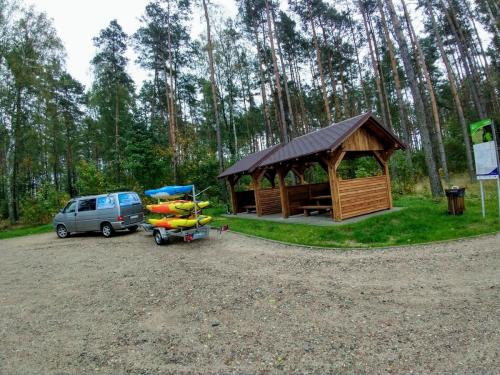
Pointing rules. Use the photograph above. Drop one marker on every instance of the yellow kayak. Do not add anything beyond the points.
(202, 205)
(203, 219)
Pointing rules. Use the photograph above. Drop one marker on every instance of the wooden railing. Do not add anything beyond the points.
(360, 196)
(270, 202)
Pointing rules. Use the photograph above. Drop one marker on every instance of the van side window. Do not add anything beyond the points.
(105, 202)
(128, 199)
(70, 207)
(86, 205)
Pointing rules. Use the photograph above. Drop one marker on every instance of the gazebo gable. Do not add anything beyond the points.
(364, 139)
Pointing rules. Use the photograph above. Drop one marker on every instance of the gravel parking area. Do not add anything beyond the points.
(231, 304)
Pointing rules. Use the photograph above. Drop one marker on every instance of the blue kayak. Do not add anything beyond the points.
(168, 192)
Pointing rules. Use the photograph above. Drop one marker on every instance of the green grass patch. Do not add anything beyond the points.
(422, 220)
(25, 231)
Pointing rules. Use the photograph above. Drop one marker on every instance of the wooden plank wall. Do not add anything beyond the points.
(299, 194)
(361, 196)
(270, 201)
(244, 198)
(362, 140)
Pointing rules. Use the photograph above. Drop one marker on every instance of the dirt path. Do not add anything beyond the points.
(237, 305)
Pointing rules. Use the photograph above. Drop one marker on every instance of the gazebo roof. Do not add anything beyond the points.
(249, 162)
(321, 140)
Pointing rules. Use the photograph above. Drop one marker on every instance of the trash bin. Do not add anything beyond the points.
(456, 200)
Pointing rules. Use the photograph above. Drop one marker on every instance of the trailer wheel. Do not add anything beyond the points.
(158, 237)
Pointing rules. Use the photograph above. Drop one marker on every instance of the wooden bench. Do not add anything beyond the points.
(249, 208)
(309, 209)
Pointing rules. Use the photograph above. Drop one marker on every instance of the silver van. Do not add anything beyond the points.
(103, 213)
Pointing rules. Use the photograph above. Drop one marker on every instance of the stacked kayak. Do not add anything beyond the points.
(181, 213)
(179, 222)
(169, 192)
(178, 207)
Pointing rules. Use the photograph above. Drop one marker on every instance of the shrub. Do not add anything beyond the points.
(42, 208)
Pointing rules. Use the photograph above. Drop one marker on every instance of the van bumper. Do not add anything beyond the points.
(117, 225)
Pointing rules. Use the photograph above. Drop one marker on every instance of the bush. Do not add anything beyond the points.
(42, 208)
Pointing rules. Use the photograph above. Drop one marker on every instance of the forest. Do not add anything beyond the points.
(278, 70)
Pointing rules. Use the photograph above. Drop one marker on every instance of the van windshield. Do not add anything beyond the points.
(128, 199)
(70, 207)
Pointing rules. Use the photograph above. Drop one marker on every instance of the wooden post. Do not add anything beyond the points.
(234, 198)
(299, 171)
(256, 179)
(333, 162)
(285, 206)
(383, 159)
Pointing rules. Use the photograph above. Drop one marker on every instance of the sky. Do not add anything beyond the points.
(78, 21)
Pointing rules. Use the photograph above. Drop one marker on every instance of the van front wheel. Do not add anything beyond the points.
(61, 231)
(107, 230)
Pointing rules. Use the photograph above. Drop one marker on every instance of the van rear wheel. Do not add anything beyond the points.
(107, 230)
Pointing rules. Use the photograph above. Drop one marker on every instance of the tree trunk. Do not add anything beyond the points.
(13, 199)
(287, 90)
(214, 90)
(171, 100)
(282, 122)
(489, 78)
(403, 114)
(470, 75)
(117, 130)
(435, 181)
(430, 89)
(376, 71)
(267, 116)
(454, 91)
(385, 99)
(367, 103)
(320, 66)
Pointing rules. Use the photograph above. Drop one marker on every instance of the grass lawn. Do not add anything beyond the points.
(25, 231)
(422, 220)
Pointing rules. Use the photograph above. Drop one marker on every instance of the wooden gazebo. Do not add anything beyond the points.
(359, 136)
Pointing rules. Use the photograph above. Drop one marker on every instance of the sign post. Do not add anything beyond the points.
(486, 156)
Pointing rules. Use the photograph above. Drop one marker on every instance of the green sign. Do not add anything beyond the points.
(481, 131)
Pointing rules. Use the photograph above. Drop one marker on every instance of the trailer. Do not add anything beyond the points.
(163, 235)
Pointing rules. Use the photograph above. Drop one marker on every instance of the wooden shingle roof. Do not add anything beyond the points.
(321, 140)
(249, 162)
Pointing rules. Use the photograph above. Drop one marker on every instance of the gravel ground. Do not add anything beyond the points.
(232, 304)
